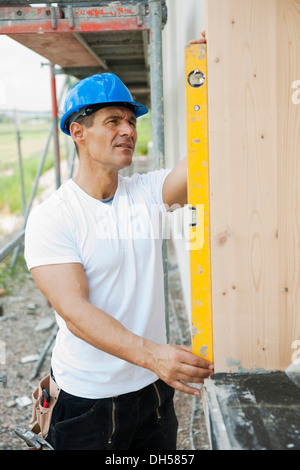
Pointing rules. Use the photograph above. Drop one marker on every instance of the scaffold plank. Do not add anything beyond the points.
(17, 20)
(60, 48)
(85, 37)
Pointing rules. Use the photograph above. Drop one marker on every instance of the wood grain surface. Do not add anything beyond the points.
(254, 140)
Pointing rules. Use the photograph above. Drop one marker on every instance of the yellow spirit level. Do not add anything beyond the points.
(198, 199)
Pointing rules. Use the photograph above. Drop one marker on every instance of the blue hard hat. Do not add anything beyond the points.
(101, 89)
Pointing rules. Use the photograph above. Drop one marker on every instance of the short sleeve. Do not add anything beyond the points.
(49, 237)
(154, 181)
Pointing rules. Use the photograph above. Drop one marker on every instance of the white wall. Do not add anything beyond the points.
(186, 20)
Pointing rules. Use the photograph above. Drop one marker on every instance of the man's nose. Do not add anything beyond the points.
(126, 129)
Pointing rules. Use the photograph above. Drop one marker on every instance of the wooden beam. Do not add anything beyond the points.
(42, 20)
(60, 48)
(83, 42)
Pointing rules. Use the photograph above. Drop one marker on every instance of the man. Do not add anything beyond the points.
(94, 250)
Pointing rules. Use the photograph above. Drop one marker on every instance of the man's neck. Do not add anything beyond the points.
(100, 185)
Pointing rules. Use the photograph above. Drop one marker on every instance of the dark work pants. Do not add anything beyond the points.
(142, 420)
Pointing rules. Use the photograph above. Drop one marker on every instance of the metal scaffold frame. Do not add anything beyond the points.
(65, 24)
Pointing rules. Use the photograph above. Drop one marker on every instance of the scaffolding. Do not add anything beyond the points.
(81, 38)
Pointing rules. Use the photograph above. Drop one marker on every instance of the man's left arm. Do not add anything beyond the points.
(174, 191)
(175, 185)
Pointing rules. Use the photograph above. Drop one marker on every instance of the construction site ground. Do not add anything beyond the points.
(26, 323)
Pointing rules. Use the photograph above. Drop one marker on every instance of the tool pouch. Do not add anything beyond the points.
(40, 415)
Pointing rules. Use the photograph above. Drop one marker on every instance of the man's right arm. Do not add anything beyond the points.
(65, 286)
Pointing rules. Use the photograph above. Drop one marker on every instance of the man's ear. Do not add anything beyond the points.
(76, 131)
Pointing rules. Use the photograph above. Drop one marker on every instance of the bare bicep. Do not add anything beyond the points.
(62, 284)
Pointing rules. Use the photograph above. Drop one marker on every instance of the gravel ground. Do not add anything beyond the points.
(24, 312)
(192, 432)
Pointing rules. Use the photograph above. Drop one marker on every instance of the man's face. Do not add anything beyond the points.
(112, 138)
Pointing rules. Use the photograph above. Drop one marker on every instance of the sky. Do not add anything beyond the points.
(24, 82)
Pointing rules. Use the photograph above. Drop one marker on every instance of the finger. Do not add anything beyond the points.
(193, 374)
(184, 348)
(182, 387)
(193, 378)
(197, 41)
(192, 359)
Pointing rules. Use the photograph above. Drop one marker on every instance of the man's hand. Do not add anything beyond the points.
(177, 365)
(199, 41)
(66, 287)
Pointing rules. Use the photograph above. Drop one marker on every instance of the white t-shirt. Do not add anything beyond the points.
(120, 249)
